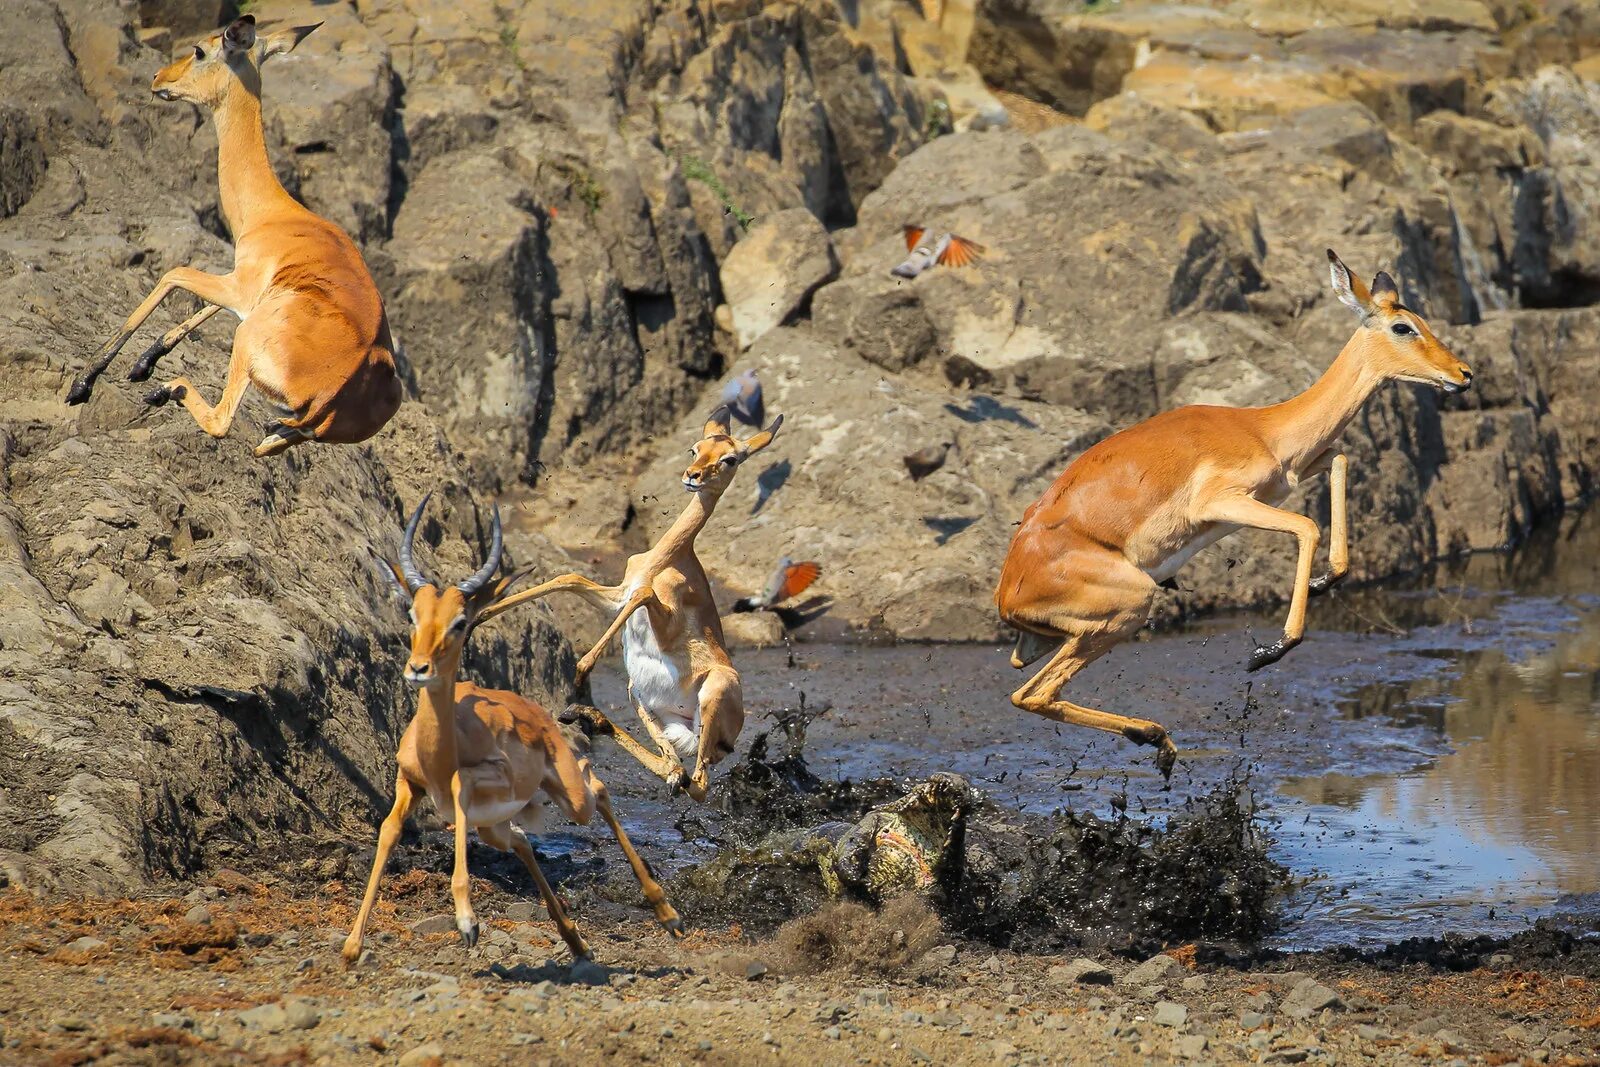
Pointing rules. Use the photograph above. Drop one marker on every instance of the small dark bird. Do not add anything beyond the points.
(742, 394)
(924, 461)
(928, 248)
(789, 580)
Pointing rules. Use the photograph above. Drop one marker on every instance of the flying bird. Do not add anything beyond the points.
(924, 461)
(928, 248)
(789, 580)
(742, 394)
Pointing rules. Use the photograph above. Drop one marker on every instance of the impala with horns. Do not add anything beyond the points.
(487, 758)
(683, 684)
(1088, 557)
(313, 337)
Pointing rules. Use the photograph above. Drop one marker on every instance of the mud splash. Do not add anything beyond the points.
(794, 842)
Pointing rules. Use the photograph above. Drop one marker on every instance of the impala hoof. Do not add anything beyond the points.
(81, 388)
(1267, 654)
(162, 393)
(469, 932)
(1166, 757)
(1325, 583)
(146, 363)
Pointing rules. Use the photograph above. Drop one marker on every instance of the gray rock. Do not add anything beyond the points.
(1154, 971)
(1168, 1013)
(172, 1020)
(199, 915)
(1251, 1020)
(773, 270)
(85, 944)
(1310, 997)
(1080, 972)
(1368, 1032)
(434, 924)
(522, 911)
(429, 1055)
(588, 972)
(300, 1015)
(1190, 1046)
(268, 1017)
(873, 998)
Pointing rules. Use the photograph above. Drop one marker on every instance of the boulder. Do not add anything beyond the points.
(770, 274)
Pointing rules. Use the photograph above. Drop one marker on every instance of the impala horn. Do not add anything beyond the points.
(408, 566)
(487, 571)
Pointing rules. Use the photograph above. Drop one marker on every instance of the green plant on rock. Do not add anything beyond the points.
(696, 169)
(582, 185)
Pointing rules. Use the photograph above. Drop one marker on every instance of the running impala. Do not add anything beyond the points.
(1085, 563)
(313, 337)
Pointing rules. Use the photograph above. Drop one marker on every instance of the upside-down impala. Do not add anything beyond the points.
(486, 756)
(312, 335)
(1088, 557)
(683, 684)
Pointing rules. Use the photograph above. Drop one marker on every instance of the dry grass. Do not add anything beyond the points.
(1030, 116)
(857, 939)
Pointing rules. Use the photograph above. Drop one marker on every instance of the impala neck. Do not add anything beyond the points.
(248, 186)
(690, 523)
(436, 728)
(1302, 428)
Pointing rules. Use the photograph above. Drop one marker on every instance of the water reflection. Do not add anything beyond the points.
(1506, 822)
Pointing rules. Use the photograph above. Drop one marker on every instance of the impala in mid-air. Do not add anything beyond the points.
(313, 337)
(1088, 557)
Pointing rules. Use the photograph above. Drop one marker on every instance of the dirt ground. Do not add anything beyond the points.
(245, 971)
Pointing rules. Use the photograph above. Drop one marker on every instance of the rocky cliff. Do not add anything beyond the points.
(584, 216)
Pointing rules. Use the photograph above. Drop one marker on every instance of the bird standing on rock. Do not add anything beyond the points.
(924, 461)
(928, 248)
(742, 395)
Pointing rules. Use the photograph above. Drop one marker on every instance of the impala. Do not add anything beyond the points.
(683, 684)
(487, 757)
(312, 336)
(1087, 558)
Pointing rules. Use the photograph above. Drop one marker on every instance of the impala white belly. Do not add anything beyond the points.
(656, 680)
(1163, 569)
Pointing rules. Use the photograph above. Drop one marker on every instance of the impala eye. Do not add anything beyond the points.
(199, 53)
(459, 624)
(1402, 329)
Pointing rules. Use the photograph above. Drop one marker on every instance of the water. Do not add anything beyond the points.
(1427, 760)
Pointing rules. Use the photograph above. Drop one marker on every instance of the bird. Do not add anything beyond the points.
(790, 579)
(742, 394)
(928, 248)
(924, 461)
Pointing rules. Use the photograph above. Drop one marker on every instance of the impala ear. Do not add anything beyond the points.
(1348, 288)
(1384, 291)
(763, 439)
(286, 40)
(717, 424)
(240, 36)
(393, 574)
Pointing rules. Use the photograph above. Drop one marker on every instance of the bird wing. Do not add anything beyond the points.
(796, 578)
(774, 590)
(913, 235)
(960, 252)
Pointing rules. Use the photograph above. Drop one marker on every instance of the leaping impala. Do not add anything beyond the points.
(312, 336)
(486, 756)
(682, 682)
(1085, 563)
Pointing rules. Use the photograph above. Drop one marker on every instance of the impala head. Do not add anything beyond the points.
(1396, 340)
(442, 617)
(228, 59)
(717, 454)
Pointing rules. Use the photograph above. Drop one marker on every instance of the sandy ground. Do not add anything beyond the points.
(237, 971)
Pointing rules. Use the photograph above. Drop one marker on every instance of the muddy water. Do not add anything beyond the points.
(1428, 761)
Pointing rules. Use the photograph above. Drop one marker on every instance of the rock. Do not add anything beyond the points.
(1190, 1046)
(1453, 1042)
(85, 944)
(301, 1015)
(434, 924)
(1308, 998)
(1368, 1032)
(1153, 971)
(1168, 1013)
(773, 270)
(431, 1054)
(268, 1017)
(1195, 983)
(872, 998)
(1251, 1020)
(523, 911)
(1080, 972)
(588, 972)
(1286, 1055)
(937, 958)
(199, 915)
(171, 1020)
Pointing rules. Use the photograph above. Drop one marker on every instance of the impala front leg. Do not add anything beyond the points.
(1338, 532)
(388, 834)
(460, 880)
(212, 288)
(147, 359)
(601, 596)
(590, 658)
(1242, 510)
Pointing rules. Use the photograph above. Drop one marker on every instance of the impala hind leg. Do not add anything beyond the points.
(721, 719)
(663, 764)
(1041, 695)
(214, 420)
(1338, 528)
(147, 359)
(654, 895)
(388, 834)
(508, 838)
